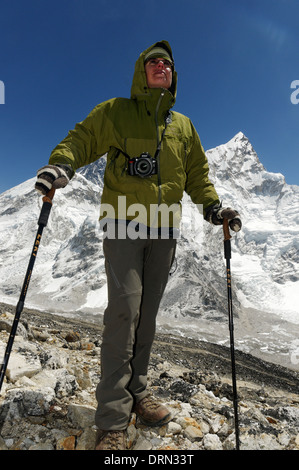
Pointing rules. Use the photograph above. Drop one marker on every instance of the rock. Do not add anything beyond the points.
(131, 435)
(81, 415)
(173, 428)
(193, 433)
(3, 446)
(142, 443)
(86, 441)
(66, 443)
(82, 376)
(216, 423)
(42, 446)
(72, 336)
(20, 403)
(212, 442)
(39, 335)
(19, 366)
(53, 359)
(259, 442)
(6, 321)
(66, 383)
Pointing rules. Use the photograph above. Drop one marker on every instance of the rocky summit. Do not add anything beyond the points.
(47, 400)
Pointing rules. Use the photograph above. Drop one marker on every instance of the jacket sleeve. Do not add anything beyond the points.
(198, 185)
(87, 142)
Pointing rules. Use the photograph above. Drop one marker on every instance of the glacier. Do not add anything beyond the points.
(69, 274)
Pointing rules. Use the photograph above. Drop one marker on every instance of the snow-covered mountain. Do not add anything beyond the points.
(69, 276)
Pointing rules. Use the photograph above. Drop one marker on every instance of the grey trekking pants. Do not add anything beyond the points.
(137, 273)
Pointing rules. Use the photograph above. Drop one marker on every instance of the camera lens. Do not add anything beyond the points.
(143, 166)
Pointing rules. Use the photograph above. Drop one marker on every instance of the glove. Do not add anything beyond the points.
(56, 176)
(215, 215)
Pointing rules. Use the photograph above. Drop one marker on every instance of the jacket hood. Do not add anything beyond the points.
(139, 89)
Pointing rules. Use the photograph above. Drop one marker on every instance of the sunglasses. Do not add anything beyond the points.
(155, 62)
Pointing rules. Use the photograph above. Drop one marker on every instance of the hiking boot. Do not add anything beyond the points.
(151, 412)
(110, 440)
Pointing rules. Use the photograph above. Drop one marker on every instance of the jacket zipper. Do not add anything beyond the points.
(185, 156)
(158, 140)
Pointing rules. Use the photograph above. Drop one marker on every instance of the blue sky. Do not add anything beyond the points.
(236, 60)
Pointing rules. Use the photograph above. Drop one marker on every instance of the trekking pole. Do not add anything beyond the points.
(42, 222)
(227, 254)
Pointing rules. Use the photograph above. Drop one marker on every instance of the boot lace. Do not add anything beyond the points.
(150, 403)
(113, 439)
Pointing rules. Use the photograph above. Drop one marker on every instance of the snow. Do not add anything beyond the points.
(96, 299)
(69, 273)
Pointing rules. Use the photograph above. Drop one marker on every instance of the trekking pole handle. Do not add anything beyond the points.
(227, 237)
(46, 209)
(49, 196)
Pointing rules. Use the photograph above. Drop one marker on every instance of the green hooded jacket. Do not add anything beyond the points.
(123, 128)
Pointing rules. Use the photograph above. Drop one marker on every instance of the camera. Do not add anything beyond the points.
(142, 166)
